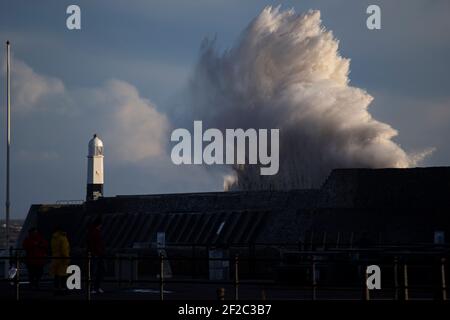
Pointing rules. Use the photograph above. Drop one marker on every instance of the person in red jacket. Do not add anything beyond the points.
(97, 249)
(36, 248)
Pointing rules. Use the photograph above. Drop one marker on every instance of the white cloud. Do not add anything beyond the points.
(135, 130)
(31, 90)
(130, 124)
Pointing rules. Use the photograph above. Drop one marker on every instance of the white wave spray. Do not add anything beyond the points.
(286, 72)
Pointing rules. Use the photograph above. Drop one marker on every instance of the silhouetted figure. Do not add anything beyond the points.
(12, 273)
(61, 258)
(35, 247)
(97, 249)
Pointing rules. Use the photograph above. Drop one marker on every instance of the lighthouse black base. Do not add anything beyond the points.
(94, 191)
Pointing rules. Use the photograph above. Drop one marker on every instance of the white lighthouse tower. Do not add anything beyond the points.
(95, 169)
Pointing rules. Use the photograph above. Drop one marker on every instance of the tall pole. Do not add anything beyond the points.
(8, 136)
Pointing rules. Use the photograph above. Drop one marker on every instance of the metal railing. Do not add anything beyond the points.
(312, 263)
(70, 201)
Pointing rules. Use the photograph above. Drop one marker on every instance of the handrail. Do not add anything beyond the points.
(311, 264)
(76, 201)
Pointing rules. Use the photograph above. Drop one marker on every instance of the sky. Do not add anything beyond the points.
(124, 73)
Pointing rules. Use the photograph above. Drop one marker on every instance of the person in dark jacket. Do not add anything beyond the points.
(35, 247)
(97, 250)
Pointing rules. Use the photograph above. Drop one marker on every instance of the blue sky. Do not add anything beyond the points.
(149, 49)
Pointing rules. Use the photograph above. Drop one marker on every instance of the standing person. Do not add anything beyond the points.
(35, 247)
(61, 258)
(12, 273)
(97, 249)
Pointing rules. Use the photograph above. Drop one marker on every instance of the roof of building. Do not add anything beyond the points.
(403, 203)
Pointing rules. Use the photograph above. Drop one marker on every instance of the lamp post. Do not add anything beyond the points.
(8, 136)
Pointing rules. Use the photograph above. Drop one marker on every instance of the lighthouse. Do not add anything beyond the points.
(95, 169)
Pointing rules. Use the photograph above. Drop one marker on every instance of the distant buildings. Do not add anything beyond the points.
(15, 228)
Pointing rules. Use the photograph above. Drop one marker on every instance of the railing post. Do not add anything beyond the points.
(161, 276)
(236, 277)
(405, 274)
(119, 258)
(130, 258)
(366, 288)
(443, 285)
(17, 277)
(324, 240)
(88, 277)
(314, 281)
(338, 239)
(252, 261)
(395, 278)
(351, 240)
(193, 265)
